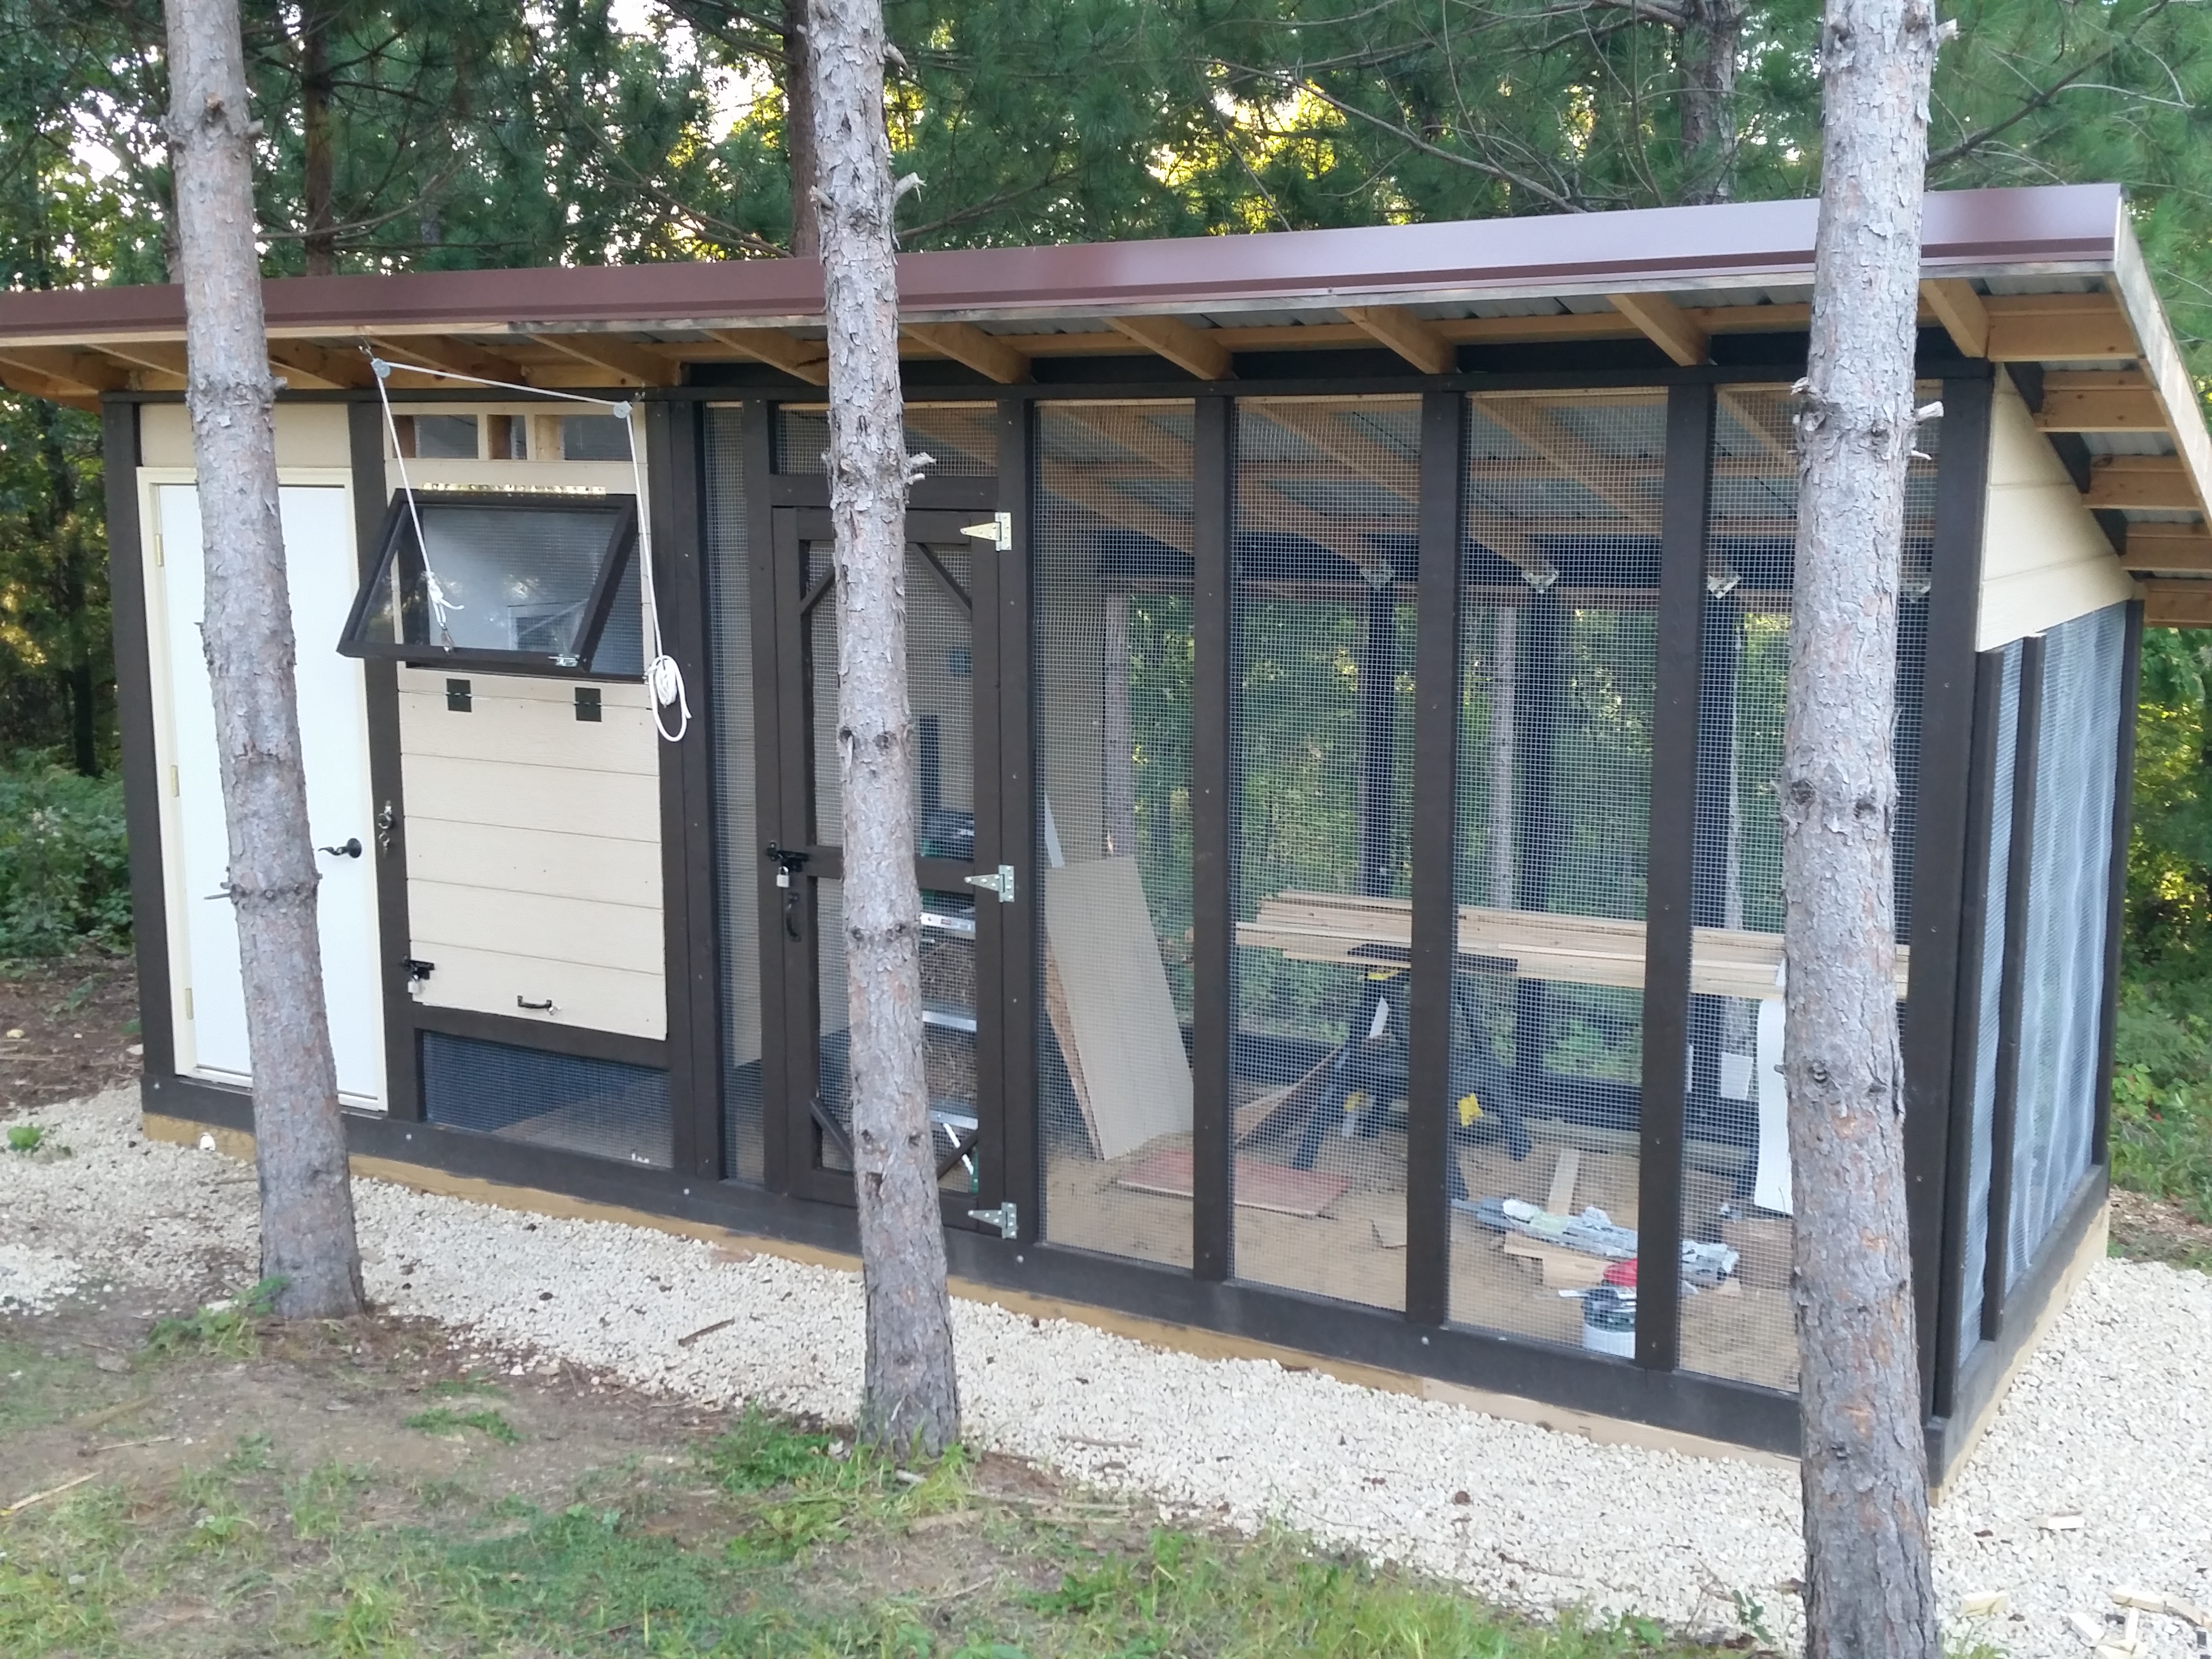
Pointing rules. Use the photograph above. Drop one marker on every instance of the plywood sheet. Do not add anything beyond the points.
(1257, 1186)
(1127, 1042)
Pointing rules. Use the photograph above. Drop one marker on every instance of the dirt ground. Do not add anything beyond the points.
(68, 1028)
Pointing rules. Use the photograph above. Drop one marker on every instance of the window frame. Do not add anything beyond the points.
(606, 586)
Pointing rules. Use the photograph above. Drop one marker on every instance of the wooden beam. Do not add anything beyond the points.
(341, 369)
(2176, 604)
(1961, 310)
(74, 373)
(993, 358)
(162, 357)
(1415, 338)
(2150, 482)
(1186, 347)
(455, 357)
(2167, 547)
(803, 359)
(2055, 328)
(1666, 324)
(2122, 409)
(621, 358)
(29, 384)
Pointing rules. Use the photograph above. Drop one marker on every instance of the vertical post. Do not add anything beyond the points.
(1973, 930)
(2116, 904)
(1669, 880)
(1715, 877)
(1378, 674)
(1939, 851)
(1537, 704)
(2012, 991)
(1436, 900)
(691, 915)
(780, 1160)
(1021, 926)
(403, 1078)
(1212, 816)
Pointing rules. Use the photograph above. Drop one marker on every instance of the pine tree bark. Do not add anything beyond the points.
(317, 167)
(1870, 1590)
(910, 1394)
(307, 1206)
(1706, 41)
(798, 133)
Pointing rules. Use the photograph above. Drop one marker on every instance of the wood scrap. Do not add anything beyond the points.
(1560, 1267)
(1255, 1185)
(1257, 1113)
(705, 1330)
(1123, 1032)
(22, 1503)
(1390, 1232)
(128, 1445)
(1561, 1201)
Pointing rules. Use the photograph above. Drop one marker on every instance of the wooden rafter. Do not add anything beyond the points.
(634, 364)
(303, 360)
(2054, 328)
(1961, 310)
(454, 356)
(1187, 348)
(76, 374)
(2117, 409)
(1525, 421)
(2154, 547)
(1413, 338)
(2147, 482)
(803, 359)
(162, 357)
(994, 358)
(2176, 604)
(1666, 324)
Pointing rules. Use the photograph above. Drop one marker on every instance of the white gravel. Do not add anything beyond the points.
(2110, 1418)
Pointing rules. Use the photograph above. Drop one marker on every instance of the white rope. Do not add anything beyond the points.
(439, 607)
(661, 673)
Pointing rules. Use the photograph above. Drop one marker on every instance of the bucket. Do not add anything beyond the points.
(1610, 1322)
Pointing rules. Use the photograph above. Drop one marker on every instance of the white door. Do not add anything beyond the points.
(319, 567)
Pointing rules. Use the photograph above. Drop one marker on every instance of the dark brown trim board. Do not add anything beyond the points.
(2115, 905)
(2026, 762)
(1947, 719)
(1021, 924)
(1212, 808)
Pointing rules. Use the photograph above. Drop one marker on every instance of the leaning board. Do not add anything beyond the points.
(1120, 1015)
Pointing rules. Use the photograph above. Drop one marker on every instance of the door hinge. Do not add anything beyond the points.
(1001, 884)
(1006, 1218)
(999, 532)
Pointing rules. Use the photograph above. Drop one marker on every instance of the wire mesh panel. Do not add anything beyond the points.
(1988, 996)
(1113, 676)
(961, 440)
(605, 1107)
(736, 829)
(1564, 494)
(2064, 944)
(1322, 612)
(1737, 1316)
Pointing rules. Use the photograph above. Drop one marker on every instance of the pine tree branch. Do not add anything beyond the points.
(2043, 97)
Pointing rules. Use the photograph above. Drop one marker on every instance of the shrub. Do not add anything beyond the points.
(64, 865)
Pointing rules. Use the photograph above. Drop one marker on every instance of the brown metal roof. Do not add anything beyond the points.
(2066, 227)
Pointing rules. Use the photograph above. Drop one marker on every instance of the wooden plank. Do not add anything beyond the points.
(988, 354)
(1413, 338)
(529, 731)
(2177, 605)
(1561, 1199)
(2105, 410)
(2154, 547)
(619, 357)
(618, 806)
(1187, 348)
(340, 370)
(454, 356)
(1127, 1038)
(1257, 1113)
(539, 860)
(2158, 482)
(1257, 1186)
(1961, 310)
(2053, 328)
(1562, 1269)
(1666, 324)
(803, 359)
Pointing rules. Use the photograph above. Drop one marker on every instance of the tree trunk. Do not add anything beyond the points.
(66, 532)
(320, 243)
(1869, 1591)
(910, 1394)
(798, 133)
(1704, 53)
(307, 1206)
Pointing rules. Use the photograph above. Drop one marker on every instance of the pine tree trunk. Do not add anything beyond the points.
(798, 133)
(1869, 1589)
(1706, 43)
(910, 1394)
(316, 185)
(307, 1206)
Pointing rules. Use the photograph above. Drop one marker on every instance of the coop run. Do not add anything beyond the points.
(1347, 675)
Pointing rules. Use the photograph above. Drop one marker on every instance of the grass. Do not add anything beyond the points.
(2161, 1132)
(768, 1539)
(444, 1419)
(222, 1330)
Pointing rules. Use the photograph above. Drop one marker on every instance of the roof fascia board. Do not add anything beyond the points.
(2161, 358)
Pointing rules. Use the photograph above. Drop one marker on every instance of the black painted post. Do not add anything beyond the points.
(1212, 815)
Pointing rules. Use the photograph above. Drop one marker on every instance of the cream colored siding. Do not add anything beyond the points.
(2044, 559)
(534, 850)
(308, 434)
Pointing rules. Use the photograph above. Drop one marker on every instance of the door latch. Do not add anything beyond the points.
(1006, 1218)
(385, 819)
(1000, 886)
(999, 532)
(789, 861)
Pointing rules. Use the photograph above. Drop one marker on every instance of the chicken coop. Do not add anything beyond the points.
(1347, 675)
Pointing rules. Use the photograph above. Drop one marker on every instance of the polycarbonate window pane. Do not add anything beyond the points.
(514, 578)
(438, 437)
(1565, 493)
(833, 1088)
(737, 840)
(1113, 688)
(2064, 990)
(961, 440)
(1322, 614)
(594, 438)
(1987, 998)
(1735, 1188)
(940, 689)
(604, 1108)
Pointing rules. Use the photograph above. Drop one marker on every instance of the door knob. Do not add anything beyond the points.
(351, 850)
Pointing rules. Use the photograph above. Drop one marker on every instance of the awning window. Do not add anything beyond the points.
(517, 584)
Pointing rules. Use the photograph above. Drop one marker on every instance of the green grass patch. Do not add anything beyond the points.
(221, 1330)
(444, 1419)
(37, 1387)
(460, 1387)
(26, 1137)
(2161, 1133)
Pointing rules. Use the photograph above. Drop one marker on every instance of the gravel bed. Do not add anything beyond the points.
(2110, 1419)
